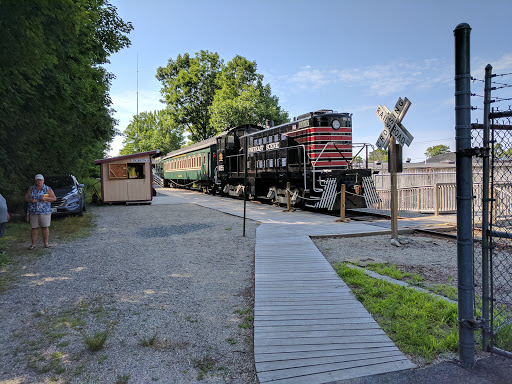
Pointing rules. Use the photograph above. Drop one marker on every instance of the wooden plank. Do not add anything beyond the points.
(323, 360)
(321, 377)
(365, 365)
(348, 339)
(296, 355)
(266, 350)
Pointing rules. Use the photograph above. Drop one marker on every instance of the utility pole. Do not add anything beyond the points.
(137, 138)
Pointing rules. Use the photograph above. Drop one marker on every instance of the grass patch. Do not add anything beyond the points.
(97, 341)
(122, 379)
(148, 342)
(420, 325)
(391, 270)
(248, 318)
(17, 239)
(204, 366)
(503, 338)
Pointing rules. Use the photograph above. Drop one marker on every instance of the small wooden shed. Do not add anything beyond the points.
(127, 178)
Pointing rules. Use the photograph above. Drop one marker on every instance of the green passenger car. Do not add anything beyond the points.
(191, 167)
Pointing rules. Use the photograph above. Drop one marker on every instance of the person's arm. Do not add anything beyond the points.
(51, 196)
(28, 199)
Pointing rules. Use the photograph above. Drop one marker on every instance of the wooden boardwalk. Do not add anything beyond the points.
(308, 326)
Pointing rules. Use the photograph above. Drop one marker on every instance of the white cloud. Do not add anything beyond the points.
(309, 78)
(379, 79)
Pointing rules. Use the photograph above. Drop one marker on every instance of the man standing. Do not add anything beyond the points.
(4, 218)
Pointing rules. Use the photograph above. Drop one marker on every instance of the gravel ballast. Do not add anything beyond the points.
(170, 285)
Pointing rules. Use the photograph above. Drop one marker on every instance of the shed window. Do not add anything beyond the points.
(135, 170)
(117, 171)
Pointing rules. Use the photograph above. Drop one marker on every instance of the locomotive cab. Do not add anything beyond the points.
(230, 157)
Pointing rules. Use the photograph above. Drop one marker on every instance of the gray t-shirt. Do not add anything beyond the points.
(3, 210)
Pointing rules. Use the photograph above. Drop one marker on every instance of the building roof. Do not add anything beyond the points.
(443, 158)
(153, 153)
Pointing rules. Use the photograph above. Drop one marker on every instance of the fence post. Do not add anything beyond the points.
(464, 192)
(342, 205)
(485, 210)
(419, 199)
(436, 199)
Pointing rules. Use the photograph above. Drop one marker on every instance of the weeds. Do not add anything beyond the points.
(97, 341)
(204, 366)
(148, 342)
(248, 318)
(122, 379)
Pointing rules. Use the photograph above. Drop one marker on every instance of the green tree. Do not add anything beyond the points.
(188, 86)
(155, 130)
(437, 150)
(206, 96)
(378, 155)
(55, 110)
(241, 97)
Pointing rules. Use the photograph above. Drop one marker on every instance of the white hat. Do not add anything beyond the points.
(39, 177)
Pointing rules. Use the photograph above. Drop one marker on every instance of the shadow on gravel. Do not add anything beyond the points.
(170, 230)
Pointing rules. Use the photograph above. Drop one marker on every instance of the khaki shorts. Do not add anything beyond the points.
(42, 221)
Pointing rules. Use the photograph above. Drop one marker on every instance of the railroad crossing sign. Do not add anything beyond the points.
(393, 124)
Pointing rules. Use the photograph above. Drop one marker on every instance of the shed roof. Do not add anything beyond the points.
(153, 153)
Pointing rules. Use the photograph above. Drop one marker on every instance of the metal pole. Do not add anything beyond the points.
(288, 203)
(394, 188)
(485, 210)
(245, 179)
(464, 192)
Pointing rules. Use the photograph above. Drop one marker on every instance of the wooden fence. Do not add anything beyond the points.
(437, 198)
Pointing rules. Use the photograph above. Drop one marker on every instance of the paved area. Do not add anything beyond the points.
(308, 326)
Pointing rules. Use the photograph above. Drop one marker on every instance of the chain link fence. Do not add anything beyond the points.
(492, 217)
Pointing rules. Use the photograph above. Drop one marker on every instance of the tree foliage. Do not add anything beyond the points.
(241, 97)
(378, 155)
(155, 130)
(437, 150)
(55, 109)
(188, 85)
(207, 96)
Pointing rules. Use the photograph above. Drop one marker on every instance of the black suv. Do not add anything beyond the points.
(70, 195)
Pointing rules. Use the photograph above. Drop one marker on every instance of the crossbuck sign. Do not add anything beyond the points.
(393, 124)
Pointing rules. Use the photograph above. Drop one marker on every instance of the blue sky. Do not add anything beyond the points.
(349, 56)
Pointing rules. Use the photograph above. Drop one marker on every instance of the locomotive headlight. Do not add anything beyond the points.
(336, 124)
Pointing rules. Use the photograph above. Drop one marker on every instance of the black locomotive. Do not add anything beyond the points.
(310, 157)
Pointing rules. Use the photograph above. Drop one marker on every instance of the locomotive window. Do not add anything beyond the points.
(283, 136)
(270, 139)
(251, 141)
(271, 163)
(276, 137)
(264, 140)
(283, 162)
(230, 142)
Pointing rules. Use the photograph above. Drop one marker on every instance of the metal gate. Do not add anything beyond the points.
(492, 217)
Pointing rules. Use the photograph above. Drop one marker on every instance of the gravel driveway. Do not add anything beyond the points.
(170, 285)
